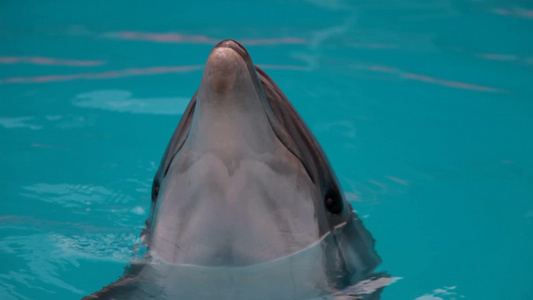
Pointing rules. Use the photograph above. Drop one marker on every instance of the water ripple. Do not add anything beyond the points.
(71, 195)
(18, 123)
(43, 262)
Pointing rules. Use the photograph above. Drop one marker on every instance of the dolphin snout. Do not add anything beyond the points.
(221, 69)
(233, 45)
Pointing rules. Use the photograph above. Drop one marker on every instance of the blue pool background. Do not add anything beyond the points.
(423, 107)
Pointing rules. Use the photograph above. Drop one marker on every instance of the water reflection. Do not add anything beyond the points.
(49, 61)
(19, 122)
(103, 75)
(447, 292)
(122, 101)
(514, 12)
(429, 79)
(172, 37)
(522, 60)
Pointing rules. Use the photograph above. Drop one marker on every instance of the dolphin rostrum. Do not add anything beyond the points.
(245, 204)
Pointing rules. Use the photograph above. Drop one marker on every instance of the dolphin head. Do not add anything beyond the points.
(243, 180)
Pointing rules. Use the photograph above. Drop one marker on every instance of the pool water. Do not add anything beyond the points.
(423, 107)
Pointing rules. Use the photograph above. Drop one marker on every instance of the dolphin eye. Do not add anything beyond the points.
(333, 202)
(155, 191)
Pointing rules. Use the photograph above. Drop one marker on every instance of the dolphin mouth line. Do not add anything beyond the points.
(154, 259)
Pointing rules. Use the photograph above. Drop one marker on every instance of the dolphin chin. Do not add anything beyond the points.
(244, 186)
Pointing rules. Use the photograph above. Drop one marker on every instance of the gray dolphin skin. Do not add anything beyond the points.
(245, 204)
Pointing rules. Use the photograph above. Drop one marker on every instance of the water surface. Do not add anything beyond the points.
(423, 107)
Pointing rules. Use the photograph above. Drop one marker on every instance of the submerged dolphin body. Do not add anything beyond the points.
(245, 204)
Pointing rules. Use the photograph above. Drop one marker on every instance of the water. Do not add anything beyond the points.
(424, 109)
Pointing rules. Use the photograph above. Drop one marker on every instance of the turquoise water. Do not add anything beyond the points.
(423, 107)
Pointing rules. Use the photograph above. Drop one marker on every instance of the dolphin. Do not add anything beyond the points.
(245, 204)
